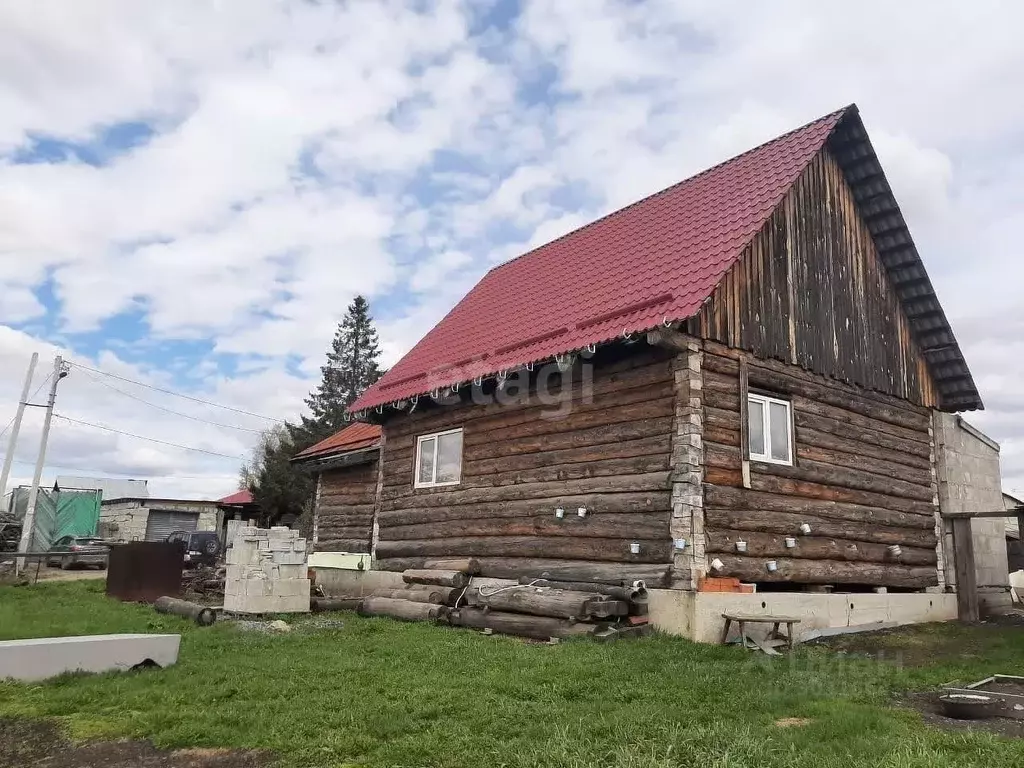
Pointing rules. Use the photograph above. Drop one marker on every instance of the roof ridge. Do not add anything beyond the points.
(852, 107)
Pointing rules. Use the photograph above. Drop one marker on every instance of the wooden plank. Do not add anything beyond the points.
(642, 525)
(796, 571)
(629, 378)
(542, 601)
(520, 625)
(653, 481)
(436, 577)
(406, 610)
(744, 423)
(815, 547)
(601, 504)
(788, 524)
(862, 434)
(480, 547)
(356, 546)
(738, 498)
(653, 575)
(967, 601)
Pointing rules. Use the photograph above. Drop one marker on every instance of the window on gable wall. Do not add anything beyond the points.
(770, 429)
(439, 459)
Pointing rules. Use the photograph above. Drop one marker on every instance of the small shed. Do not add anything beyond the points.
(346, 468)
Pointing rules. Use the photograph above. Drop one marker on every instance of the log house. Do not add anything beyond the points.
(734, 377)
(346, 467)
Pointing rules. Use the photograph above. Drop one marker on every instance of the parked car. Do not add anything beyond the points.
(78, 551)
(198, 547)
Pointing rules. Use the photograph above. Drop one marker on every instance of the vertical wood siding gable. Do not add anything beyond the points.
(810, 290)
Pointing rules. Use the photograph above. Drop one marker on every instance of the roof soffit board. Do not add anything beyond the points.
(851, 147)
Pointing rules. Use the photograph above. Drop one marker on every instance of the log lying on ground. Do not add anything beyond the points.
(537, 627)
(402, 609)
(322, 604)
(468, 565)
(437, 577)
(200, 614)
(544, 601)
(436, 595)
(633, 594)
(753, 569)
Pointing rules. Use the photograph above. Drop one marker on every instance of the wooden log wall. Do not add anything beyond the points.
(610, 455)
(811, 290)
(861, 479)
(345, 508)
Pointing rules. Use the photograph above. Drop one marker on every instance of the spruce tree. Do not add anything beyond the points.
(352, 366)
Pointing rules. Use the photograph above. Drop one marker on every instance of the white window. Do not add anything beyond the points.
(439, 459)
(770, 430)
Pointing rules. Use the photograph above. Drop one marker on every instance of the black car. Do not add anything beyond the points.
(72, 551)
(198, 547)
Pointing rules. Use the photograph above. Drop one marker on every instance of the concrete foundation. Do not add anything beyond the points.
(266, 572)
(41, 658)
(698, 615)
(341, 582)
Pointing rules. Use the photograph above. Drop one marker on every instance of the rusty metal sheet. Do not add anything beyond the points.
(142, 571)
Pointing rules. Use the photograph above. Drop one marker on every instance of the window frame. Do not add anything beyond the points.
(766, 401)
(436, 437)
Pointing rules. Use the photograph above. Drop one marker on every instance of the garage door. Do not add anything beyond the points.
(162, 523)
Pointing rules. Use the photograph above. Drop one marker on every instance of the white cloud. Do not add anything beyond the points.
(304, 152)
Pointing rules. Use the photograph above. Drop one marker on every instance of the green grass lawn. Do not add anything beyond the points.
(382, 693)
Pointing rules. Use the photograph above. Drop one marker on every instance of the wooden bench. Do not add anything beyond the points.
(775, 634)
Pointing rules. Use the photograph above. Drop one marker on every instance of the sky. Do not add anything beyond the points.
(191, 193)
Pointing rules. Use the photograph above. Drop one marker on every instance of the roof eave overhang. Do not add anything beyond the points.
(850, 145)
(322, 462)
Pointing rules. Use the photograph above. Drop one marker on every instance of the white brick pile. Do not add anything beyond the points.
(266, 572)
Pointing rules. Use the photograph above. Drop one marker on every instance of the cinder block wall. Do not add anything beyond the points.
(130, 518)
(969, 480)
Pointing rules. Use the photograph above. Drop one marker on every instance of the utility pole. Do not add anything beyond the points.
(60, 370)
(16, 427)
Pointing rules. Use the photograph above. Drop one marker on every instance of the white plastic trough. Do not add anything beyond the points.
(44, 657)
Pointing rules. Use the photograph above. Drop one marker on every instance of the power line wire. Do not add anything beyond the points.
(143, 437)
(123, 476)
(33, 397)
(175, 394)
(167, 410)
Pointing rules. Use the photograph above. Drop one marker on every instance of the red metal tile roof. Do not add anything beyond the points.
(653, 261)
(238, 497)
(352, 438)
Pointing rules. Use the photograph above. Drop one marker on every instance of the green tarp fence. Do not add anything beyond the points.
(59, 513)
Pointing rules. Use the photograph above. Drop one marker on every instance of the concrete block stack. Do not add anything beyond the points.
(266, 572)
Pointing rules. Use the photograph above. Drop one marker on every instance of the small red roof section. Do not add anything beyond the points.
(656, 260)
(238, 497)
(351, 438)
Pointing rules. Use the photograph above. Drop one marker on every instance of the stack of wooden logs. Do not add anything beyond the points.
(537, 608)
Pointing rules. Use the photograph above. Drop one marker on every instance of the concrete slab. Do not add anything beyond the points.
(42, 658)
(698, 616)
(341, 582)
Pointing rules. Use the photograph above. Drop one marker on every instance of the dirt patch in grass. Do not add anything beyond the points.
(34, 744)
(926, 645)
(927, 704)
(792, 722)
